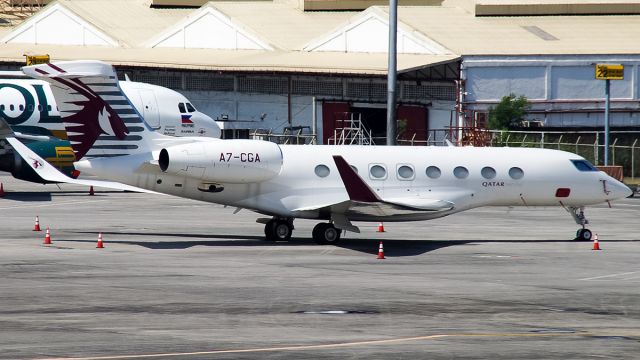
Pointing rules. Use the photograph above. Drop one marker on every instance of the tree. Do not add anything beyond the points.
(508, 113)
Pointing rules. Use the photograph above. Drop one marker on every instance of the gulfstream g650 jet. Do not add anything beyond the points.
(336, 184)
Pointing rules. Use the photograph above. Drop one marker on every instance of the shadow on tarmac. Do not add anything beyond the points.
(392, 247)
(28, 196)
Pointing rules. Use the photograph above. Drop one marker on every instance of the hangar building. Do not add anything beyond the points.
(280, 64)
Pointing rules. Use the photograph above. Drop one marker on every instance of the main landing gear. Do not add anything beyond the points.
(326, 233)
(582, 234)
(278, 229)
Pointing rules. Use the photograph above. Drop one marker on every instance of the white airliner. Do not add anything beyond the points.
(27, 103)
(29, 107)
(338, 184)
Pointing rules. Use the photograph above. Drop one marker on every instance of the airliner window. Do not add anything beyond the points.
(354, 168)
(433, 172)
(378, 172)
(190, 108)
(516, 173)
(488, 172)
(583, 165)
(11, 107)
(21, 107)
(181, 108)
(2, 107)
(322, 171)
(461, 172)
(405, 172)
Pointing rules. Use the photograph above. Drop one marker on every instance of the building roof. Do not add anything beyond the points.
(466, 34)
(278, 36)
(232, 60)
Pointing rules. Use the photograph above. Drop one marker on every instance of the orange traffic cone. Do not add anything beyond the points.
(380, 227)
(381, 251)
(100, 244)
(36, 227)
(1, 190)
(47, 237)
(91, 191)
(596, 245)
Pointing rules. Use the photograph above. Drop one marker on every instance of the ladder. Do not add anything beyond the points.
(349, 130)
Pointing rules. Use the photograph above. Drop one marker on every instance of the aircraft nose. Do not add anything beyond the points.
(207, 126)
(617, 190)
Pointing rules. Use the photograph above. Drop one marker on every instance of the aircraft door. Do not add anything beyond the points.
(150, 108)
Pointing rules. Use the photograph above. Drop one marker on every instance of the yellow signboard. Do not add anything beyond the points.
(609, 71)
(37, 59)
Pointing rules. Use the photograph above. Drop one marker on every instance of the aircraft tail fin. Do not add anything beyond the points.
(100, 120)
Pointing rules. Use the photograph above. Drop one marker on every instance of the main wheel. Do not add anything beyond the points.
(268, 230)
(278, 230)
(584, 235)
(326, 233)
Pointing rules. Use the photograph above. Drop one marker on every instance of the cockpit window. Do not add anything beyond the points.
(181, 108)
(583, 165)
(190, 108)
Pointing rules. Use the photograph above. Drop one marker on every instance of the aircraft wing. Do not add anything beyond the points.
(50, 173)
(362, 195)
(364, 202)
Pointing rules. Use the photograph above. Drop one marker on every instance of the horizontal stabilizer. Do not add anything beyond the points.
(50, 173)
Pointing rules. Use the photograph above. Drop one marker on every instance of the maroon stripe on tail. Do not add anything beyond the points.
(56, 68)
(357, 189)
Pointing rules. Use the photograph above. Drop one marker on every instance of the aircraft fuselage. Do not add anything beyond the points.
(468, 177)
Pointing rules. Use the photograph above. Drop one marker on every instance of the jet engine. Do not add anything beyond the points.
(223, 161)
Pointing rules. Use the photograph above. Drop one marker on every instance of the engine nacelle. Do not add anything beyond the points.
(223, 161)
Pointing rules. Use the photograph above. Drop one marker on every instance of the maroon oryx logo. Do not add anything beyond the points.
(93, 118)
(36, 164)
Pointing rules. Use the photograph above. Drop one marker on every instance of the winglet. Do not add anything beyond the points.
(357, 189)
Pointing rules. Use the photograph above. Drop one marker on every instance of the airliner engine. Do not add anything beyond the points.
(220, 161)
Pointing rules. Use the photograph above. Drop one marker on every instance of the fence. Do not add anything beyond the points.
(624, 146)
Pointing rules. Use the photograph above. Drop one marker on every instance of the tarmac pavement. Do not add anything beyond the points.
(180, 279)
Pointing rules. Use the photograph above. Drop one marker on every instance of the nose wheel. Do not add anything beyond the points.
(326, 233)
(577, 213)
(278, 230)
(583, 235)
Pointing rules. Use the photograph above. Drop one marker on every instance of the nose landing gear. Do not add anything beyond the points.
(577, 213)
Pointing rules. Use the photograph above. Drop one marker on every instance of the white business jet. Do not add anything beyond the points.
(29, 107)
(338, 184)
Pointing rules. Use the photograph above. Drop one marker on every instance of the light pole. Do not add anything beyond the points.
(391, 73)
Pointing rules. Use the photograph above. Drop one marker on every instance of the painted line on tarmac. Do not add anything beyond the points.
(23, 205)
(321, 346)
(610, 276)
